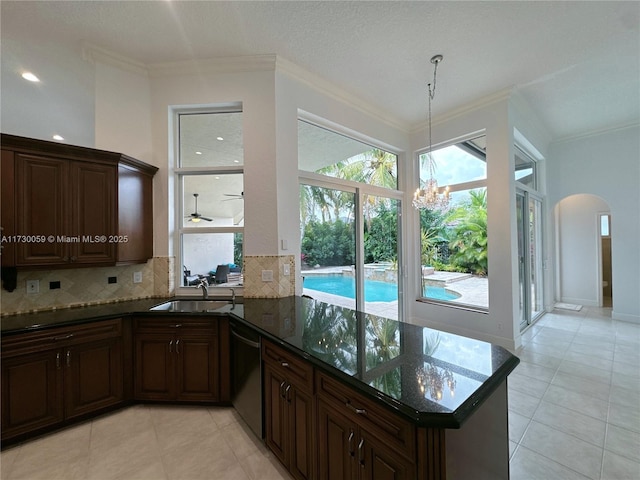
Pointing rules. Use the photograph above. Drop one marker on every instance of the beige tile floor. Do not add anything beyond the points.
(147, 442)
(574, 400)
(574, 413)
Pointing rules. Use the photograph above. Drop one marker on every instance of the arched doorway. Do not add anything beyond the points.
(583, 251)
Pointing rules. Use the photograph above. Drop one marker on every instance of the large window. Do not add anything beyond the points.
(209, 197)
(350, 222)
(453, 238)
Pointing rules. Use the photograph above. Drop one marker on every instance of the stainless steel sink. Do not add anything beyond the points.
(191, 306)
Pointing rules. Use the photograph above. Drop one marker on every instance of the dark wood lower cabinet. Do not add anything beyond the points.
(347, 451)
(31, 392)
(53, 376)
(177, 359)
(289, 410)
(359, 440)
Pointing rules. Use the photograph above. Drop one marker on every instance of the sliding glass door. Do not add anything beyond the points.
(530, 260)
(350, 248)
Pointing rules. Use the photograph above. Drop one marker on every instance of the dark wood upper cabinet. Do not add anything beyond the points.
(74, 206)
(7, 210)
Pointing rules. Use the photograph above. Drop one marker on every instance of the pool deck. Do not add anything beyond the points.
(473, 290)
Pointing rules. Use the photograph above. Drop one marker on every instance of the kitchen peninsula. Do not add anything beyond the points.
(346, 394)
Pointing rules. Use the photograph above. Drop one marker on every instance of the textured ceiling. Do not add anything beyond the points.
(576, 63)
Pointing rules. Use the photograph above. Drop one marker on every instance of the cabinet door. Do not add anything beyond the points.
(93, 376)
(93, 213)
(379, 462)
(7, 207)
(154, 377)
(42, 196)
(135, 215)
(302, 445)
(337, 444)
(197, 374)
(275, 410)
(31, 392)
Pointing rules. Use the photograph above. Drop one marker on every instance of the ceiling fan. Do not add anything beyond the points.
(195, 217)
(235, 196)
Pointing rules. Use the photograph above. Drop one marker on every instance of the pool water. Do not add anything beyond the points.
(374, 291)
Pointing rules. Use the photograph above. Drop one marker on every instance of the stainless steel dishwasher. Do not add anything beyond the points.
(246, 374)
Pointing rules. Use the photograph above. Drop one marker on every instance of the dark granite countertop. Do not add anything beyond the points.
(431, 377)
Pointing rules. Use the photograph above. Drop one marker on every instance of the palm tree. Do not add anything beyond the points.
(469, 234)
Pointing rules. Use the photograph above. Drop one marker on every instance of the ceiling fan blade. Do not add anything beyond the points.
(206, 219)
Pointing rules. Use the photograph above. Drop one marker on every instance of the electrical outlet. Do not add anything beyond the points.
(137, 277)
(286, 270)
(33, 286)
(267, 275)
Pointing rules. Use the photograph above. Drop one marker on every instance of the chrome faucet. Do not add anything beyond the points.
(204, 285)
(233, 298)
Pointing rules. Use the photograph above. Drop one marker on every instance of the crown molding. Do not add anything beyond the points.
(595, 133)
(247, 63)
(332, 90)
(93, 53)
(478, 104)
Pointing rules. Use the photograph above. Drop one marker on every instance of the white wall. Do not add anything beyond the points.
(578, 236)
(608, 166)
(62, 103)
(123, 111)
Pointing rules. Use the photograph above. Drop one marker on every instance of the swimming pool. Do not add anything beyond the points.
(374, 291)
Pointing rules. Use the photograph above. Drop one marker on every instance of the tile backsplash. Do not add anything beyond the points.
(88, 286)
(279, 286)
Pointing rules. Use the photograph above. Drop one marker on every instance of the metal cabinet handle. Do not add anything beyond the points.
(68, 358)
(361, 452)
(178, 346)
(359, 411)
(175, 325)
(352, 452)
(282, 388)
(58, 360)
(287, 392)
(65, 337)
(284, 364)
(171, 346)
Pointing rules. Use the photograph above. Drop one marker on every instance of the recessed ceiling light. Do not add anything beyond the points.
(60, 138)
(236, 161)
(219, 138)
(198, 153)
(30, 77)
(217, 178)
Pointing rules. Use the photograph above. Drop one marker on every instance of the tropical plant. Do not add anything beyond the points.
(468, 236)
(432, 235)
(381, 235)
(328, 243)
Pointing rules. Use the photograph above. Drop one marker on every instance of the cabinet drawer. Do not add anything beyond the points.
(398, 433)
(60, 337)
(198, 325)
(296, 369)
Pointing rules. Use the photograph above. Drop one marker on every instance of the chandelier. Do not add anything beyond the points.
(430, 196)
(432, 381)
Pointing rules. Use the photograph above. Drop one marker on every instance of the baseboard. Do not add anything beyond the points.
(625, 317)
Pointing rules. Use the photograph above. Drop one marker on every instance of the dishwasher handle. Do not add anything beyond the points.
(244, 340)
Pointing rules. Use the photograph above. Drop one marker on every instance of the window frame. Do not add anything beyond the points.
(361, 190)
(179, 173)
(457, 187)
